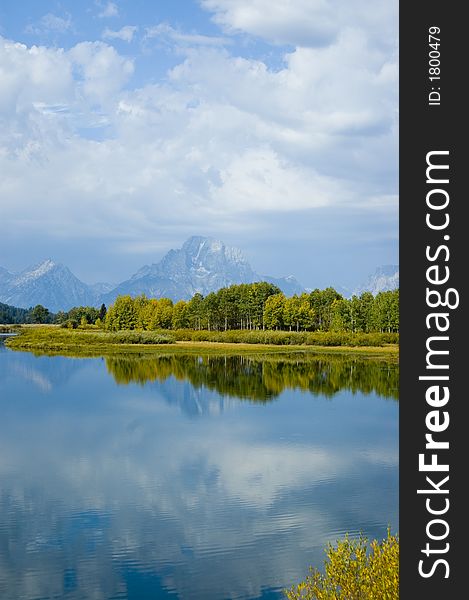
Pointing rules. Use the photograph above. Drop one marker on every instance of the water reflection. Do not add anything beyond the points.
(262, 379)
(115, 491)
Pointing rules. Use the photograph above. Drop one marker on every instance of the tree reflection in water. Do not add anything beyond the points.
(262, 378)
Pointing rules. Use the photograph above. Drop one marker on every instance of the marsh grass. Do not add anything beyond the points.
(288, 338)
(49, 339)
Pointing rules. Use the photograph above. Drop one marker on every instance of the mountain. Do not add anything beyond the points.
(5, 278)
(385, 278)
(289, 285)
(202, 265)
(101, 288)
(50, 284)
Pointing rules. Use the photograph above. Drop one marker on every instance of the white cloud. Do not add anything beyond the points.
(244, 492)
(110, 9)
(165, 32)
(125, 34)
(259, 180)
(101, 70)
(305, 22)
(221, 138)
(50, 23)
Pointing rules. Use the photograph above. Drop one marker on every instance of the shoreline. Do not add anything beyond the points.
(51, 340)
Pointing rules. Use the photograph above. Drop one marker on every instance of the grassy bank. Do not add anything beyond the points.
(94, 342)
(10, 328)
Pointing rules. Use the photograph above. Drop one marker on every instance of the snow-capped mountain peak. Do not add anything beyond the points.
(48, 283)
(385, 278)
(37, 270)
(202, 265)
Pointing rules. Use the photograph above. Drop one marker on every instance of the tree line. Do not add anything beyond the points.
(39, 314)
(259, 306)
(246, 306)
(13, 315)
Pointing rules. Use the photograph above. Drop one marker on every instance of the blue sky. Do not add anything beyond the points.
(127, 126)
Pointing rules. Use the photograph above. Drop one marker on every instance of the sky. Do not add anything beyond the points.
(128, 126)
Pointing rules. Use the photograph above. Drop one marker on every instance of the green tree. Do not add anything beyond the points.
(258, 294)
(195, 311)
(60, 317)
(366, 308)
(122, 314)
(145, 313)
(40, 314)
(77, 313)
(298, 314)
(259, 305)
(340, 315)
(244, 306)
(162, 314)
(273, 311)
(180, 317)
(322, 302)
(228, 307)
(102, 312)
(385, 311)
(212, 314)
(141, 304)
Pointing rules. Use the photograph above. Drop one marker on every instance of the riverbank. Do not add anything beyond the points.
(50, 339)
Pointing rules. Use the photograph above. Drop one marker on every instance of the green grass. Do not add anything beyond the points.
(288, 338)
(49, 339)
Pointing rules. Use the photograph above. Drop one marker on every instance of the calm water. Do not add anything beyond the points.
(188, 477)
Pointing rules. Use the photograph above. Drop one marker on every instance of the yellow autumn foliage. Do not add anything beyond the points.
(354, 570)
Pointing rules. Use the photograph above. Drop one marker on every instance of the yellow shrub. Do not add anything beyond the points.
(354, 571)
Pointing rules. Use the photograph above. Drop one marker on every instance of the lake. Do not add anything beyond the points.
(188, 477)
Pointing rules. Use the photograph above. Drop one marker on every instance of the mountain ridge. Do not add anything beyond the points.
(48, 283)
(201, 265)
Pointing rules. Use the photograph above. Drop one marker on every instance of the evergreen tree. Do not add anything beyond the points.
(102, 312)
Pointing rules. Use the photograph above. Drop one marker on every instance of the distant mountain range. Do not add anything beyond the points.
(202, 265)
(50, 284)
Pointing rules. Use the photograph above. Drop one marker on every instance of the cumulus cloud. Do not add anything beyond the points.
(302, 22)
(221, 138)
(264, 140)
(313, 23)
(125, 34)
(101, 71)
(259, 180)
